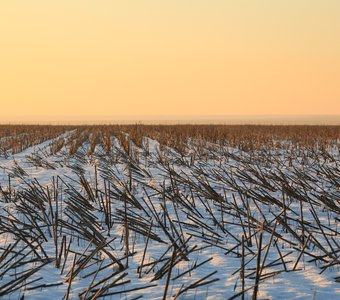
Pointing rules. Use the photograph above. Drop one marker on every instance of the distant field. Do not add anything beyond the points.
(169, 212)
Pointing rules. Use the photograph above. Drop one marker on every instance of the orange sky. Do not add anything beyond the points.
(180, 57)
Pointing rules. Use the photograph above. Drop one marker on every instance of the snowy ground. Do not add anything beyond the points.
(67, 223)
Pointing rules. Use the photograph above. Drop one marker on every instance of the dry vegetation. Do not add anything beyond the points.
(15, 139)
(136, 208)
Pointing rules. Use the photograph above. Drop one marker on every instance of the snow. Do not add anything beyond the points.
(205, 200)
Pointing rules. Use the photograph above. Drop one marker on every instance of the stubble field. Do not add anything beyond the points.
(169, 212)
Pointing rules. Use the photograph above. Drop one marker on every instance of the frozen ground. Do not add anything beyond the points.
(152, 222)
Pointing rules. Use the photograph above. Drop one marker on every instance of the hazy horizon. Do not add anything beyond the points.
(176, 119)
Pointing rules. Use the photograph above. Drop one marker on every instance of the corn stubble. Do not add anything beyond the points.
(255, 194)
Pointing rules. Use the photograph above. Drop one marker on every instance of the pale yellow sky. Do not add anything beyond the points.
(178, 57)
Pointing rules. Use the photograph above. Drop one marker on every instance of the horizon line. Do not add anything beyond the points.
(234, 119)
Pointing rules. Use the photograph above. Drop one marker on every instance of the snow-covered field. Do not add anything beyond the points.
(150, 223)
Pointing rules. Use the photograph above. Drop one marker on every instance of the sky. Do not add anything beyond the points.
(78, 58)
